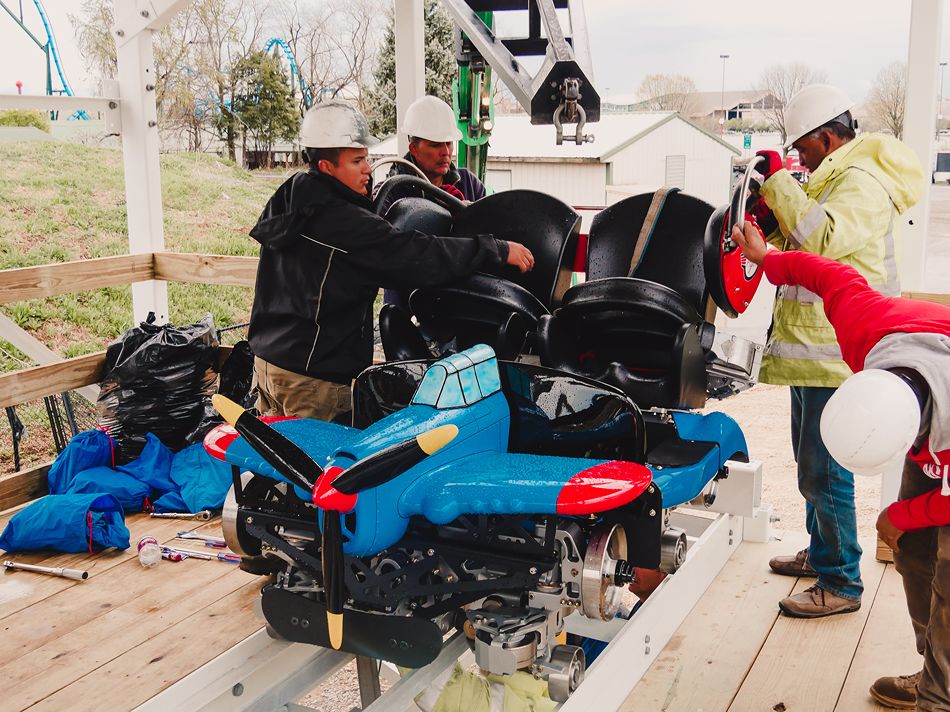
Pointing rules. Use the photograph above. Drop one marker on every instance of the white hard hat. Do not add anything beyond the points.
(335, 124)
(432, 119)
(870, 422)
(811, 107)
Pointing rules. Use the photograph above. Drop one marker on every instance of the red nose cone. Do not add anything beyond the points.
(327, 497)
(604, 486)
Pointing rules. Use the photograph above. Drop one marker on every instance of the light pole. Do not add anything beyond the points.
(722, 95)
(940, 101)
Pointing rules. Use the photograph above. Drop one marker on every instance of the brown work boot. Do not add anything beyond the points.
(816, 602)
(898, 692)
(796, 565)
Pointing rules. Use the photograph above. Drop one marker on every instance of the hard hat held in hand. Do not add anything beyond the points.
(811, 107)
(870, 422)
(432, 119)
(335, 124)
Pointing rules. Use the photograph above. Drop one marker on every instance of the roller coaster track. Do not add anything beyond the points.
(51, 50)
(294, 72)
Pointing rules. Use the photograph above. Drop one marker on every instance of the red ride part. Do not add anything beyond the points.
(328, 498)
(218, 439)
(602, 487)
(740, 277)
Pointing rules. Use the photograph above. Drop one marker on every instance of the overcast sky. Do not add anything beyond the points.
(849, 40)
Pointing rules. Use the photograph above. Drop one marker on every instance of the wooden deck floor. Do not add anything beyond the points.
(127, 633)
(115, 640)
(736, 653)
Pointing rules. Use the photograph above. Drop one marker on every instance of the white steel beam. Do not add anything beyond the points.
(410, 61)
(57, 102)
(633, 648)
(258, 674)
(401, 695)
(923, 57)
(140, 155)
(136, 16)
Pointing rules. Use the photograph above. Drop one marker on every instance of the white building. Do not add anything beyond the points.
(633, 153)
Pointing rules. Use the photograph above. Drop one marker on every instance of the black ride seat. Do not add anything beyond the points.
(637, 322)
(501, 309)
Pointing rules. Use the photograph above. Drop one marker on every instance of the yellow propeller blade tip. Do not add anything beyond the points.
(228, 409)
(335, 628)
(437, 438)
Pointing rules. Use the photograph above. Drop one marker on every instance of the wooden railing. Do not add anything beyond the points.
(50, 280)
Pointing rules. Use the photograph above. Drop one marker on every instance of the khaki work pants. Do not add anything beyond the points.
(924, 564)
(282, 392)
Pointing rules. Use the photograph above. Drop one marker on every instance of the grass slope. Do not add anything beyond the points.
(62, 202)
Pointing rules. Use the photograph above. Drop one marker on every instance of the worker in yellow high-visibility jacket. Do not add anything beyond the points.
(848, 211)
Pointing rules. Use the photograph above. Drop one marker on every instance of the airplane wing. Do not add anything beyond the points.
(316, 437)
(511, 483)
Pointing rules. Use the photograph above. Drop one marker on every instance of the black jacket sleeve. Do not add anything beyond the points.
(405, 259)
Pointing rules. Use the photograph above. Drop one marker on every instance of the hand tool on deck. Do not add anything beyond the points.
(207, 555)
(51, 570)
(204, 515)
(215, 541)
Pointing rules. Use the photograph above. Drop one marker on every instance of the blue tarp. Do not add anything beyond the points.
(91, 448)
(130, 492)
(153, 466)
(84, 490)
(65, 522)
(200, 482)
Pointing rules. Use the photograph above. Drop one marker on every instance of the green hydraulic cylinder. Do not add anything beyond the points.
(474, 109)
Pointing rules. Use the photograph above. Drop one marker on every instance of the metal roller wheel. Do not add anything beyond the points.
(600, 598)
(568, 665)
(673, 548)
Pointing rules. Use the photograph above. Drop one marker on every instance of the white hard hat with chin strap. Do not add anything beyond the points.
(813, 107)
(432, 119)
(871, 421)
(335, 124)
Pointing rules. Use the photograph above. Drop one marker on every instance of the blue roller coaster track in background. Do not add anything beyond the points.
(294, 72)
(51, 38)
(51, 51)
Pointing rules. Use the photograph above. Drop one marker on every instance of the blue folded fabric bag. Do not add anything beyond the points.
(201, 482)
(90, 448)
(130, 492)
(153, 466)
(67, 522)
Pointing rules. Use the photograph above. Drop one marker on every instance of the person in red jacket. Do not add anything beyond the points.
(897, 403)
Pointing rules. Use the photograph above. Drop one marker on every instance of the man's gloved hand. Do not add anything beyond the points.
(772, 164)
(453, 191)
(763, 216)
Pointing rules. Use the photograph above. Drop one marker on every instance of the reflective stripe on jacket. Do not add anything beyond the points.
(848, 212)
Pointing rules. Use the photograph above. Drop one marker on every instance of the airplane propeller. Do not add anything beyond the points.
(335, 490)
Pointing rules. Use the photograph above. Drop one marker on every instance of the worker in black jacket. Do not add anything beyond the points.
(324, 256)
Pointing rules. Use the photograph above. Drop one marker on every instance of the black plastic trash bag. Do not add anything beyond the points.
(237, 373)
(155, 380)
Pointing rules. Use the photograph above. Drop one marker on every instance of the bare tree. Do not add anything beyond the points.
(885, 102)
(333, 45)
(230, 30)
(93, 27)
(172, 47)
(782, 81)
(668, 92)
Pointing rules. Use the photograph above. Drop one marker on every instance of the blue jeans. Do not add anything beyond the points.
(828, 489)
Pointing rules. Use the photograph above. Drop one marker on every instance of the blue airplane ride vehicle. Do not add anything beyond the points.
(516, 457)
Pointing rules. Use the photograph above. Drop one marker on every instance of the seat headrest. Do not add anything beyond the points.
(542, 223)
(420, 214)
(673, 256)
